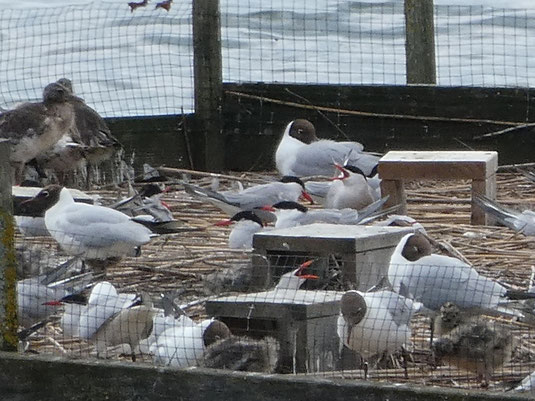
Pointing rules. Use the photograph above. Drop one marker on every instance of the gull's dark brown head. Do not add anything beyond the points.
(303, 130)
(214, 332)
(353, 307)
(416, 247)
(40, 203)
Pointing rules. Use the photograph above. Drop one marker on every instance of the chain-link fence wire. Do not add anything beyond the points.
(276, 312)
(137, 63)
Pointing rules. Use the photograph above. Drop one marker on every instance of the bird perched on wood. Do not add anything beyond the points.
(522, 222)
(473, 343)
(33, 128)
(300, 153)
(374, 323)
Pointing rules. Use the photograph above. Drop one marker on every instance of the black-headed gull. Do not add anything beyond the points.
(523, 222)
(33, 128)
(287, 189)
(183, 344)
(88, 231)
(433, 280)
(372, 323)
(300, 153)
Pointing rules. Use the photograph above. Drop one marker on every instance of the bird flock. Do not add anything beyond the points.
(470, 314)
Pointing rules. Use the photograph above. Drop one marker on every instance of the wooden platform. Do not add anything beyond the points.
(304, 323)
(397, 166)
(363, 252)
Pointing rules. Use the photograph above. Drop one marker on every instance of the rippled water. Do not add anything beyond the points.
(140, 63)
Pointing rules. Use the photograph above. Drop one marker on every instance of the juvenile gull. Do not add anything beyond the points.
(33, 128)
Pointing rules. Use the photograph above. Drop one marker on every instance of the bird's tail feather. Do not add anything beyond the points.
(501, 213)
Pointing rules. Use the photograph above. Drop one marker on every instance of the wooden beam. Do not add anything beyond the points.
(208, 141)
(8, 262)
(420, 42)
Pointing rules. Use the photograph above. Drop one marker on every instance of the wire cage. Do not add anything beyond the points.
(455, 327)
(137, 62)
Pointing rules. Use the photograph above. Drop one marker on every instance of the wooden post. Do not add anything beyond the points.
(420, 42)
(8, 270)
(208, 142)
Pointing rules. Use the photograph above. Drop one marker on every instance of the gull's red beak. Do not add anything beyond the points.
(300, 271)
(306, 196)
(268, 208)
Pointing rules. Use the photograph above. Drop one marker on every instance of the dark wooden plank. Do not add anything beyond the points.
(420, 42)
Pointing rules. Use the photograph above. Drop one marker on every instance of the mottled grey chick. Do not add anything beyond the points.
(242, 354)
(476, 344)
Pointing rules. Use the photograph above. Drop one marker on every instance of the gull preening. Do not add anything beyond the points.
(300, 153)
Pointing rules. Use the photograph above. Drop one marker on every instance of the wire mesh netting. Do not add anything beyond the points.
(293, 311)
(140, 62)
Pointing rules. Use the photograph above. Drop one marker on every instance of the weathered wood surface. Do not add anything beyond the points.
(8, 262)
(420, 42)
(208, 141)
(51, 378)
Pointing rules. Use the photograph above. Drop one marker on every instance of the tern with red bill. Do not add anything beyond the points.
(301, 153)
(246, 225)
(253, 198)
(349, 190)
(293, 214)
(318, 190)
(294, 279)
